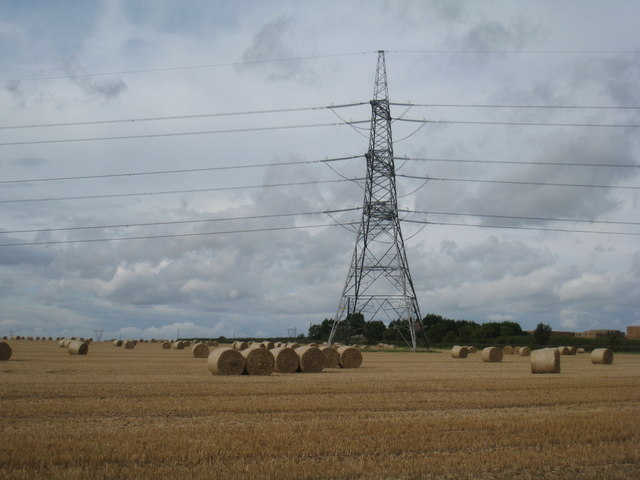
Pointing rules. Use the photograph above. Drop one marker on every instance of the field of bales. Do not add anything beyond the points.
(150, 413)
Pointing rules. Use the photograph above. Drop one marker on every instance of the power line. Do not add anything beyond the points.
(508, 162)
(514, 227)
(176, 235)
(171, 192)
(519, 52)
(521, 124)
(181, 117)
(186, 67)
(177, 134)
(180, 222)
(509, 182)
(510, 217)
(478, 105)
(184, 170)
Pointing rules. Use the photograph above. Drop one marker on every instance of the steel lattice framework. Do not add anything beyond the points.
(379, 284)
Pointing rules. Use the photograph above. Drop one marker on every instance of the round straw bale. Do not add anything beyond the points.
(240, 345)
(563, 350)
(331, 356)
(226, 361)
(117, 343)
(286, 359)
(516, 350)
(67, 341)
(166, 345)
(580, 350)
(507, 350)
(492, 354)
(129, 344)
(212, 343)
(5, 338)
(459, 352)
(5, 351)
(545, 360)
(524, 351)
(268, 345)
(313, 345)
(603, 356)
(293, 345)
(178, 345)
(78, 347)
(471, 349)
(61, 343)
(200, 350)
(350, 357)
(572, 350)
(311, 359)
(259, 361)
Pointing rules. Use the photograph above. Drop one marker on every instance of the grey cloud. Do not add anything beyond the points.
(490, 36)
(106, 88)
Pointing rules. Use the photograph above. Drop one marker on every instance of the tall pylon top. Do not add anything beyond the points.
(381, 89)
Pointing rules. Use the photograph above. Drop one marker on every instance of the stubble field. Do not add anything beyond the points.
(150, 413)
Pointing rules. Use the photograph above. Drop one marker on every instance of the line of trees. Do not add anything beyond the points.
(438, 330)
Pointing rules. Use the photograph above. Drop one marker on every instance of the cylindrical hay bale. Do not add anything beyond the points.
(178, 345)
(286, 360)
(580, 350)
(311, 359)
(572, 350)
(492, 354)
(240, 345)
(507, 350)
(212, 343)
(67, 341)
(293, 345)
(78, 347)
(471, 349)
(61, 343)
(524, 351)
(117, 343)
(545, 360)
(331, 356)
(603, 356)
(226, 361)
(200, 350)
(166, 345)
(268, 345)
(5, 351)
(516, 350)
(459, 352)
(259, 361)
(350, 357)
(563, 350)
(129, 344)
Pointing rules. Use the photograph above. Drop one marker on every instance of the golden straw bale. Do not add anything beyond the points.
(507, 350)
(268, 345)
(78, 347)
(226, 361)
(286, 359)
(459, 352)
(563, 350)
(516, 350)
(524, 351)
(5, 351)
(603, 356)
(178, 345)
(200, 350)
(492, 354)
(6, 338)
(572, 350)
(580, 350)
(350, 357)
(331, 356)
(545, 360)
(166, 345)
(311, 359)
(259, 361)
(129, 344)
(471, 349)
(117, 343)
(212, 343)
(240, 345)
(61, 343)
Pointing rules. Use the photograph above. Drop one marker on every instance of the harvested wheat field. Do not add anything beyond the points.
(152, 413)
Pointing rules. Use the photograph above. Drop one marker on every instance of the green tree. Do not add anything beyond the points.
(321, 331)
(542, 333)
(374, 330)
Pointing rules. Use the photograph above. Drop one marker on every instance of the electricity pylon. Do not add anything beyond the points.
(379, 285)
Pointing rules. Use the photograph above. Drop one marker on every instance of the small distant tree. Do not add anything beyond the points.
(374, 330)
(542, 333)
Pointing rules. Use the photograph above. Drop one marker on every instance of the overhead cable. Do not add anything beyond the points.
(508, 162)
(521, 124)
(178, 134)
(490, 105)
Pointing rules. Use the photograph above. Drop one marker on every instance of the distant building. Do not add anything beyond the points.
(601, 334)
(564, 334)
(633, 332)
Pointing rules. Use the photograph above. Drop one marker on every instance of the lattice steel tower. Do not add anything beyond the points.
(379, 284)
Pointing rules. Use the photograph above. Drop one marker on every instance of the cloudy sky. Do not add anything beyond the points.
(128, 95)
